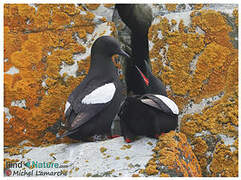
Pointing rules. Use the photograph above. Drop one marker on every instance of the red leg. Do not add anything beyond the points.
(157, 135)
(127, 140)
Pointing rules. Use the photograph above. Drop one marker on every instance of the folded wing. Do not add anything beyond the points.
(82, 108)
(160, 102)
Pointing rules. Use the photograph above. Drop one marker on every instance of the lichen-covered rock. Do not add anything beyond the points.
(173, 157)
(194, 51)
(46, 55)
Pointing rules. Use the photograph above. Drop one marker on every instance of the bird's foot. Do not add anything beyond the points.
(113, 136)
(158, 135)
(129, 139)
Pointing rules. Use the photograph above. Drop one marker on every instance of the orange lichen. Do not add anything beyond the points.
(224, 162)
(174, 22)
(60, 19)
(164, 175)
(235, 14)
(212, 48)
(109, 5)
(151, 169)
(198, 6)
(103, 19)
(37, 42)
(173, 156)
(18, 150)
(200, 62)
(102, 149)
(135, 175)
(200, 149)
(92, 6)
(171, 7)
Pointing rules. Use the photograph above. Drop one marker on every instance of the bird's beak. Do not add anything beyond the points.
(123, 53)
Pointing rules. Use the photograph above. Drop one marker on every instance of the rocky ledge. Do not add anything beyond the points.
(171, 155)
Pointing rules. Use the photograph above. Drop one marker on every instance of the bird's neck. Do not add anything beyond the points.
(102, 66)
(140, 51)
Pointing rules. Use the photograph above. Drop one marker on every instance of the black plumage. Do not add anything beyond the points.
(149, 114)
(94, 103)
(146, 110)
(146, 115)
(138, 18)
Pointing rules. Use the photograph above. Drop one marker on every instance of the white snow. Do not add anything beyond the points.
(171, 104)
(102, 94)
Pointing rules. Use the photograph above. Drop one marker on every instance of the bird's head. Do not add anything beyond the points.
(107, 46)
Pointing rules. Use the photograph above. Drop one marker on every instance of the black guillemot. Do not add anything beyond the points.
(150, 114)
(93, 104)
(147, 111)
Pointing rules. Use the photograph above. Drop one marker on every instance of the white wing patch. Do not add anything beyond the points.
(102, 94)
(171, 104)
(67, 105)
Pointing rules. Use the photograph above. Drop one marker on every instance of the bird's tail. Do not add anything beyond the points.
(66, 133)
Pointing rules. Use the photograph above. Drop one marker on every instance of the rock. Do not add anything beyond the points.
(193, 50)
(97, 159)
(54, 41)
(173, 157)
(170, 156)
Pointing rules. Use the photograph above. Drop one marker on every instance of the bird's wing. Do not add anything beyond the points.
(160, 102)
(84, 107)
